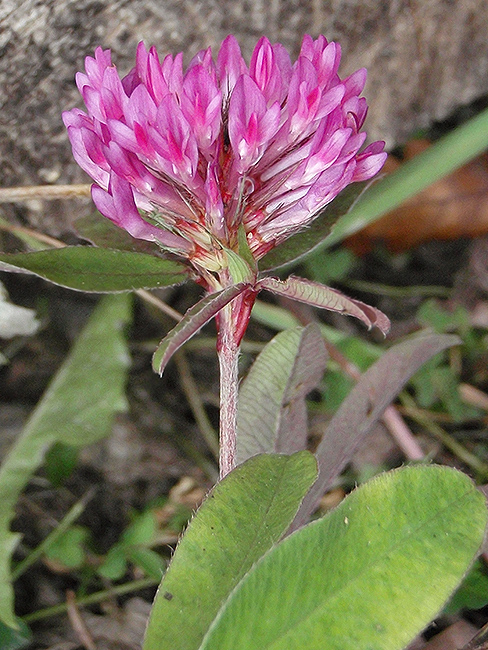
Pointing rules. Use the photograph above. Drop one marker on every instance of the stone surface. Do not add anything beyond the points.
(425, 58)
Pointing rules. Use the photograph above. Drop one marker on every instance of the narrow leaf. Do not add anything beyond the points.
(80, 403)
(272, 415)
(77, 409)
(194, 319)
(98, 270)
(363, 407)
(278, 318)
(241, 519)
(307, 240)
(318, 295)
(371, 574)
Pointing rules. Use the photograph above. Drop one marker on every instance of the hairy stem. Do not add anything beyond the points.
(228, 350)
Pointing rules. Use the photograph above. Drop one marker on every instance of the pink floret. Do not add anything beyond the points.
(187, 158)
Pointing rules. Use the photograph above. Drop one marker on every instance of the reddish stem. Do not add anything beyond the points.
(232, 323)
(228, 351)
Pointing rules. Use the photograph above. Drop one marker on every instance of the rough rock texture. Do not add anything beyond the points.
(425, 59)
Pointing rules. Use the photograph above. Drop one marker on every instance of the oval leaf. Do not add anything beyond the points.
(371, 574)
(243, 516)
(272, 414)
(318, 295)
(98, 270)
(194, 319)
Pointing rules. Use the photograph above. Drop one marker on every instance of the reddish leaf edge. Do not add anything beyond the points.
(319, 295)
(312, 293)
(192, 322)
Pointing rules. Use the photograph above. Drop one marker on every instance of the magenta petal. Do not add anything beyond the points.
(113, 94)
(330, 100)
(251, 123)
(204, 60)
(94, 104)
(355, 83)
(119, 206)
(214, 207)
(201, 104)
(369, 166)
(230, 65)
(142, 56)
(95, 67)
(266, 72)
(104, 203)
(327, 62)
(141, 107)
(123, 135)
(283, 63)
(88, 154)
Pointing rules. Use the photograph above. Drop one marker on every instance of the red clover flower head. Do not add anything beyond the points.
(190, 159)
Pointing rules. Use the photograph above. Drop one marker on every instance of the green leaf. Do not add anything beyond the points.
(243, 248)
(446, 385)
(473, 592)
(133, 546)
(307, 240)
(239, 269)
(77, 409)
(142, 530)
(98, 270)
(278, 318)
(432, 313)
(115, 563)
(68, 549)
(272, 413)
(363, 407)
(80, 403)
(243, 516)
(60, 462)
(371, 574)
(329, 267)
(15, 639)
(43, 548)
(318, 295)
(149, 561)
(195, 318)
(335, 388)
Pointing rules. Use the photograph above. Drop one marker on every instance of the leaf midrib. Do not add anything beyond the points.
(357, 576)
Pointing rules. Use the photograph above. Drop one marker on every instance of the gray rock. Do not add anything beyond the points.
(425, 59)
